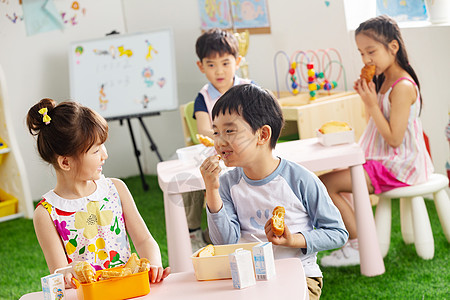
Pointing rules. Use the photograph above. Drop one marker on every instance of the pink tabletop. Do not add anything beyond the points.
(289, 282)
(316, 157)
(177, 176)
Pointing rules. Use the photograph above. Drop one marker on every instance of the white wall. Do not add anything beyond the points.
(37, 67)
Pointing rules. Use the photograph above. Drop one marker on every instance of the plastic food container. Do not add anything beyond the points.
(217, 266)
(8, 204)
(336, 138)
(134, 285)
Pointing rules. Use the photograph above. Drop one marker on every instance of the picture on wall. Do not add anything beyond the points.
(238, 15)
(403, 11)
(215, 13)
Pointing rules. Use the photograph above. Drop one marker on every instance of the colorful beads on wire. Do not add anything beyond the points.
(319, 79)
(313, 82)
(312, 85)
(294, 84)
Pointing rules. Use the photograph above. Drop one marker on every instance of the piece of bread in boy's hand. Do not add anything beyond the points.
(84, 272)
(367, 73)
(278, 220)
(205, 140)
(207, 251)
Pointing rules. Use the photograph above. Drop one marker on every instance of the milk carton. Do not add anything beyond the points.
(241, 266)
(264, 262)
(53, 286)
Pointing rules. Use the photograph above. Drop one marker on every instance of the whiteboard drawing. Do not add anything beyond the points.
(125, 75)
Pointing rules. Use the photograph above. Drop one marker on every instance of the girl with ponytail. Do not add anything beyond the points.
(393, 141)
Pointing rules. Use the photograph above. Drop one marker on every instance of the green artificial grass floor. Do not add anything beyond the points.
(407, 276)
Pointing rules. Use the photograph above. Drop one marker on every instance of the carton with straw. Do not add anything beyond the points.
(264, 261)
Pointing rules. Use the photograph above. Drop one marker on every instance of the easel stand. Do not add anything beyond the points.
(137, 153)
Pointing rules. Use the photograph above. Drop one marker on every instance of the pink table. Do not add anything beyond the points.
(176, 177)
(289, 282)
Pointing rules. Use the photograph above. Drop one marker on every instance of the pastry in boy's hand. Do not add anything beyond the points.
(367, 72)
(207, 251)
(278, 220)
(205, 140)
(84, 272)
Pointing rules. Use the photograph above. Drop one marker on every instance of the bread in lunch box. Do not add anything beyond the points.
(110, 273)
(334, 126)
(207, 251)
(144, 265)
(84, 272)
(133, 263)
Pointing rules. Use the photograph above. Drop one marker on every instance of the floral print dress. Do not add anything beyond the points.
(91, 228)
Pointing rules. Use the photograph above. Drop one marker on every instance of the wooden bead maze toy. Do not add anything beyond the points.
(312, 68)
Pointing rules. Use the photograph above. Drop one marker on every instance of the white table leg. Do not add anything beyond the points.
(369, 251)
(178, 242)
(383, 222)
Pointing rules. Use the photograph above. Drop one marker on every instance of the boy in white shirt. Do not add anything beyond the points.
(218, 58)
(247, 122)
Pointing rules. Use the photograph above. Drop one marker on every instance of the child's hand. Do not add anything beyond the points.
(157, 274)
(287, 239)
(210, 170)
(367, 92)
(68, 275)
(68, 280)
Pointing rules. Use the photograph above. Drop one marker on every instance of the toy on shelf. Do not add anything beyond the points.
(314, 68)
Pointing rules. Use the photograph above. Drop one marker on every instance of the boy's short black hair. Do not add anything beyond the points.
(216, 41)
(257, 106)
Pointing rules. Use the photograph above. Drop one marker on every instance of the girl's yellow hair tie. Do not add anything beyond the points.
(46, 118)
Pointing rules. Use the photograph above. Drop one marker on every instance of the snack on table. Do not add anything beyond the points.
(205, 140)
(207, 251)
(367, 73)
(137, 265)
(84, 272)
(133, 263)
(109, 273)
(278, 220)
(334, 126)
(144, 265)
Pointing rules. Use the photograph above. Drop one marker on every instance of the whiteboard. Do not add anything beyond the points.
(123, 76)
